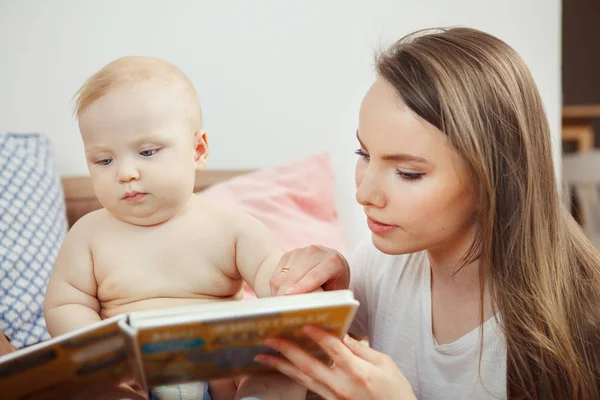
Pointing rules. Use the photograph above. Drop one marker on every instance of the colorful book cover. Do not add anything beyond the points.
(227, 346)
(171, 346)
(68, 364)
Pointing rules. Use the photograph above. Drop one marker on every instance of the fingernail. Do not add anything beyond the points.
(290, 290)
(309, 330)
(270, 343)
(260, 359)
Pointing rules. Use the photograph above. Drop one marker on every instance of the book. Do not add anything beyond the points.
(172, 345)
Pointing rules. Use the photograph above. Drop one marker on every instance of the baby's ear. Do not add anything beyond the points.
(200, 150)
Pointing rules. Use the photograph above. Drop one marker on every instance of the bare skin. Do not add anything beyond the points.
(170, 264)
(416, 194)
(5, 346)
(155, 244)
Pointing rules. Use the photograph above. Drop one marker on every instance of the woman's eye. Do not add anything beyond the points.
(362, 154)
(104, 161)
(148, 153)
(410, 176)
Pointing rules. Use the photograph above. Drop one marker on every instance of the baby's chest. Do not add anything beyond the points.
(162, 263)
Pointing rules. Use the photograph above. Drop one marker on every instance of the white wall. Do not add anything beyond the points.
(279, 80)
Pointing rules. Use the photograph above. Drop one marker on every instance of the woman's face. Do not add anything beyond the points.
(412, 184)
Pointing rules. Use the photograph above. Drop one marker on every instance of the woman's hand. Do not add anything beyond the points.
(358, 372)
(309, 268)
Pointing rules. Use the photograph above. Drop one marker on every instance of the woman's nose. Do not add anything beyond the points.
(368, 189)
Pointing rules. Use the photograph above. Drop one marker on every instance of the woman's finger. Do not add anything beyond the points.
(293, 269)
(282, 266)
(289, 280)
(301, 359)
(363, 351)
(334, 347)
(308, 269)
(314, 279)
(288, 369)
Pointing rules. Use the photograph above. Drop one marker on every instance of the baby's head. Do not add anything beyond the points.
(141, 125)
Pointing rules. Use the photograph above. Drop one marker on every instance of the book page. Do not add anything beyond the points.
(226, 346)
(133, 353)
(246, 308)
(68, 364)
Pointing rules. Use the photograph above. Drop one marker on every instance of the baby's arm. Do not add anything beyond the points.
(70, 302)
(257, 257)
(256, 254)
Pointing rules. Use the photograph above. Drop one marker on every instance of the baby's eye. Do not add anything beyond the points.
(104, 161)
(148, 153)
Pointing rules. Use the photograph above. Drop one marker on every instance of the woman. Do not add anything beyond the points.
(476, 282)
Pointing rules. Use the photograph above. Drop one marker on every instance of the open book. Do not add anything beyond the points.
(172, 346)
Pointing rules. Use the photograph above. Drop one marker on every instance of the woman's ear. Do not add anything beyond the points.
(200, 150)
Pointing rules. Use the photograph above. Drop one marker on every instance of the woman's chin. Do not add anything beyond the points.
(392, 246)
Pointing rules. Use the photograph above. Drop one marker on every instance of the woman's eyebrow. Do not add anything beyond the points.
(396, 157)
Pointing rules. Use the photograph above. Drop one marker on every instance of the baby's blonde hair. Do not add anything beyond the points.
(133, 69)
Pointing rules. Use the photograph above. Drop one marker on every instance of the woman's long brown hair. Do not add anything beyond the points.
(543, 273)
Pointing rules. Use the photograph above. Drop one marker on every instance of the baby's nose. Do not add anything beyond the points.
(128, 172)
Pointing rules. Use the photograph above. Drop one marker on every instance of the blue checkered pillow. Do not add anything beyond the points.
(33, 225)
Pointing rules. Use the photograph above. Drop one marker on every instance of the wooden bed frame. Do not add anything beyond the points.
(80, 198)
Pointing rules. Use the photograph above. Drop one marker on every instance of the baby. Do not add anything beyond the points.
(155, 243)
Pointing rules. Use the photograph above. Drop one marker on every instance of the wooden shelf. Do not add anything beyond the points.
(577, 120)
(583, 111)
(582, 135)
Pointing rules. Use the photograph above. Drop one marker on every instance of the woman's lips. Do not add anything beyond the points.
(379, 228)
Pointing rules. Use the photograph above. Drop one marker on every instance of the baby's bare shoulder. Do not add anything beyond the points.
(238, 222)
(210, 210)
(80, 238)
(91, 222)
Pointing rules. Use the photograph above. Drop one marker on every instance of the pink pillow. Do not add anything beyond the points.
(295, 201)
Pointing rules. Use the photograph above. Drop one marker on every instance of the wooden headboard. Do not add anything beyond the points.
(80, 198)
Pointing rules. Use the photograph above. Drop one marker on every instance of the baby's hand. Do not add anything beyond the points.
(308, 269)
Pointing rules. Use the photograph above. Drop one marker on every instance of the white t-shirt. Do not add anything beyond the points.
(395, 313)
